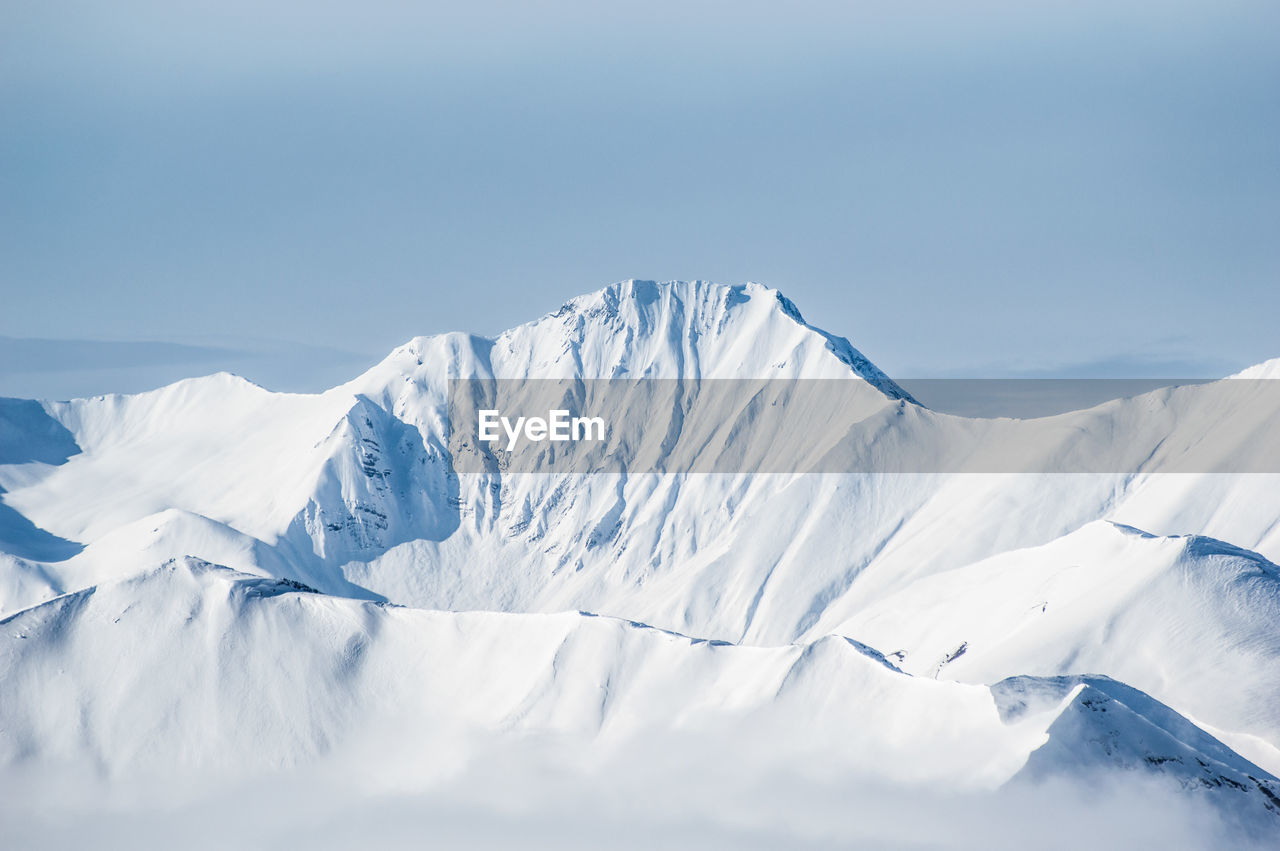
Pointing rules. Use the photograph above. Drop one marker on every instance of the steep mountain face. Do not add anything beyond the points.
(161, 532)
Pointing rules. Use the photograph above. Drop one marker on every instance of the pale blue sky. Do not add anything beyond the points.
(1082, 188)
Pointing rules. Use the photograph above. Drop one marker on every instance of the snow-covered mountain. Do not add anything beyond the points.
(219, 579)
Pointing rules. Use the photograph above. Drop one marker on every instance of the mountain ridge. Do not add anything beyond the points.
(963, 580)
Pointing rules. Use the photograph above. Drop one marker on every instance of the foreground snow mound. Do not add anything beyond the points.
(1101, 723)
(196, 666)
(1191, 620)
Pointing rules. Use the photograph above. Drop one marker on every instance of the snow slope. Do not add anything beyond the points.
(1191, 619)
(196, 666)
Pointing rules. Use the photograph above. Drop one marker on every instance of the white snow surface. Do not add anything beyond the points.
(215, 579)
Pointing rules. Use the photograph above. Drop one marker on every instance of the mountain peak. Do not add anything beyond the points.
(687, 329)
(641, 329)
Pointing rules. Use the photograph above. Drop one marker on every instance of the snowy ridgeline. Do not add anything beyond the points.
(221, 580)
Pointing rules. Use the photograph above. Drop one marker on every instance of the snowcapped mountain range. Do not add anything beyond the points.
(218, 580)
